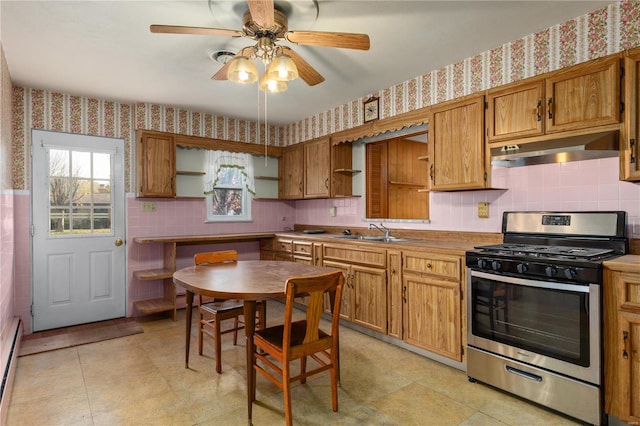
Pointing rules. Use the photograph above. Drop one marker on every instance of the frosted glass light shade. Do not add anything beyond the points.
(242, 70)
(282, 68)
(272, 86)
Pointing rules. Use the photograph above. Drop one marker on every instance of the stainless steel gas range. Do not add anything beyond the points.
(534, 308)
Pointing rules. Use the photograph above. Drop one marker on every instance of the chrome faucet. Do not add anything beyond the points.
(386, 231)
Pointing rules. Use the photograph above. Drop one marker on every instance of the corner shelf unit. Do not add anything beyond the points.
(170, 300)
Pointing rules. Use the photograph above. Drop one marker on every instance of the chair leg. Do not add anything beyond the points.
(200, 332)
(303, 369)
(262, 314)
(334, 387)
(286, 388)
(235, 331)
(218, 344)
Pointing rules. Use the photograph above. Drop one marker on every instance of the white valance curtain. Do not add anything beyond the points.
(217, 160)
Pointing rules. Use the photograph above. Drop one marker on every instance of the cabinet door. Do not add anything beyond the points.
(629, 368)
(432, 315)
(370, 297)
(584, 96)
(291, 172)
(457, 150)
(347, 303)
(515, 112)
(317, 168)
(156, 164)
(630, 141)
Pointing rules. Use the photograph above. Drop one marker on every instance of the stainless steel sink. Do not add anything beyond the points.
(368, 238)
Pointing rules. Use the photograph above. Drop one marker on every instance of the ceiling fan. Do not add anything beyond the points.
(267, 25)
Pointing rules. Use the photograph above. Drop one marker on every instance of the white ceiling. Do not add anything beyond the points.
(104, 49)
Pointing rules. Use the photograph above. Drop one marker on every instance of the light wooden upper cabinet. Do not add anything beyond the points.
(317, 168)
(457, 148)
(156, 165)
(583, 96)
(630, 140)
(291, 169)
(515, 111)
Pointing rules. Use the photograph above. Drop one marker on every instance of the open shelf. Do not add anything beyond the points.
(347, 171)
(153, 274)
(153, 306)
(189, 173)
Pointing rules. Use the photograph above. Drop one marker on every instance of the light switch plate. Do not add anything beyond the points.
(483, 210)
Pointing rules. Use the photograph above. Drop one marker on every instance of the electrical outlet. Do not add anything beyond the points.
(148, 206)
(483, 210)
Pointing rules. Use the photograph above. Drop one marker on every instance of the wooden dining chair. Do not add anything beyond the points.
(211, 314)
(301, 339)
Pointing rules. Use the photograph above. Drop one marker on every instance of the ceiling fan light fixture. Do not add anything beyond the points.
(270, 85)
(282, 68)
(242, 70)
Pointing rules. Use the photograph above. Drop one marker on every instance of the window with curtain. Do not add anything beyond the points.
(229, 186)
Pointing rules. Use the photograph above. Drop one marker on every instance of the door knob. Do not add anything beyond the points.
(118, 242)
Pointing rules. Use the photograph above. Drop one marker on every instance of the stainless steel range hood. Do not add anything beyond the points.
(584, 147)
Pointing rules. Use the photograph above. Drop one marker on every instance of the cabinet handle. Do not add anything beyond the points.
(404, 294)
(549, 108)
(632, 144)
(625, 337)
(431, 172)
(428, 266)
(300, 186)
(326, 183)
(539, 110)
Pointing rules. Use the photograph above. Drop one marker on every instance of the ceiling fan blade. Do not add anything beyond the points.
(306, 71)
(176, 29)
(222, 72)
(318, 38)
(262, 12)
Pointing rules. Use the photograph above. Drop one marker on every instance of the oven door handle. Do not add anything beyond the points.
(524, 374)
(530, 283)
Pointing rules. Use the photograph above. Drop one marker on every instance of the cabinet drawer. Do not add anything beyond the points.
(629, 291)
(302, 247)
(437, 265)
(362, 256)
(284, 245)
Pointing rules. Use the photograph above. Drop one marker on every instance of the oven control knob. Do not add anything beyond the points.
(482, 263)
(496, 265)
(551, 271)
(522, 268)
(570, 273)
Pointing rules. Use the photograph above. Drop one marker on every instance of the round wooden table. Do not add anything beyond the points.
(249, 281)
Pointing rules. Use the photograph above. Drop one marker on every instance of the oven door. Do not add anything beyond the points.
(548, 324)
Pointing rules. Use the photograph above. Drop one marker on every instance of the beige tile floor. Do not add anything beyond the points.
(141, 380)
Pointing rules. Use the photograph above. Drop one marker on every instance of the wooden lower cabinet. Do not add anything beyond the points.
(622, 339)
(432, 311)
(364, 296)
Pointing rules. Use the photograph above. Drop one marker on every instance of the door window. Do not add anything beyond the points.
(80, 200)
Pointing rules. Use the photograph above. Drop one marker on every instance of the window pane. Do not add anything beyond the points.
(58, 162)
(81, 221)
(229, 177)
(59, 191)
(81, 192)
(226, 202)
(101, 166)
(102, 220)
(81, 164)
(59, 221)
(101, 193)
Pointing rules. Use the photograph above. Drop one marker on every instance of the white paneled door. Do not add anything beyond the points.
(78, 231)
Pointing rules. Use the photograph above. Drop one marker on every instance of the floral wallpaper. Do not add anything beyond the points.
(599, 33)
